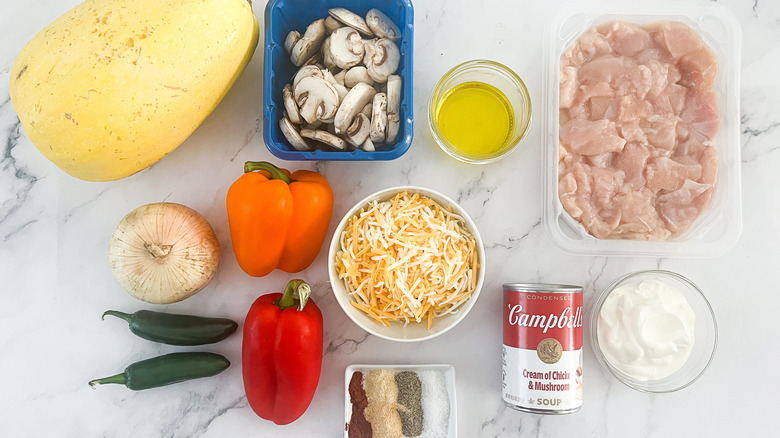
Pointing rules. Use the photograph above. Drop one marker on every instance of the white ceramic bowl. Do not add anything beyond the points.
(413, 332)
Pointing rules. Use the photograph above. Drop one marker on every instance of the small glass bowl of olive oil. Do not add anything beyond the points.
(479, 112)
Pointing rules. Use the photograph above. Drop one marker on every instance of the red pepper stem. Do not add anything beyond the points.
(297, 292)
(276, 173)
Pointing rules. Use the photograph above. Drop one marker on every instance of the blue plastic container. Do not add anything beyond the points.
(282, 16)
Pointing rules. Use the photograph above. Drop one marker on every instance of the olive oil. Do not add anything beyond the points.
(476, 118)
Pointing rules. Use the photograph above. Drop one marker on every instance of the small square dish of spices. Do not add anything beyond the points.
(400, 401)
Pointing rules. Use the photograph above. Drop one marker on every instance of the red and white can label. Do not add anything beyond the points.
(542, 351)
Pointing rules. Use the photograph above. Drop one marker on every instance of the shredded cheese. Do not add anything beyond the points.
(407, 260)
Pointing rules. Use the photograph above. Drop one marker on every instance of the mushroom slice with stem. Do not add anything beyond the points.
(331, 24)
(351, 19)
(379, 118)
(290, 107)
(382, 25)
(327, 58)
(383, 60)
(393, 107)
(306, 71)
(353, 103)
(340, 89)
(325, 137)
(356, 75)
(359, 130)
(308, 45)
(292, 38)
(346, 47)
(292, 135)
(316, 98)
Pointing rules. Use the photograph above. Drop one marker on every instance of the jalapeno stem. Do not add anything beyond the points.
(276, 173)
(119, 378)
(118, 314)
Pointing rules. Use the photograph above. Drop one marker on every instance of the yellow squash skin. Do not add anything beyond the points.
(112, 86)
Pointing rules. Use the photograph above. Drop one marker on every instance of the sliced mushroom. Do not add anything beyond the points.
(368, 146)
(353, 103)
(308, 45)
(316, 98)
(324, 137)
(379, 118)
(394, 86)
(290, 107)
(351, 19)
(331, 24)
(356, 75)
(327, 58)
(367, 109)
(340, 89)
(291, 40)
(305, 72)
(359, 130)
(383, 60)
(382, 25)
(346, 47)
(315, 60)
(292, 135)
(339, 77)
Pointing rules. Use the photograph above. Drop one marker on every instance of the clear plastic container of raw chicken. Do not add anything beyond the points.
(718, 227)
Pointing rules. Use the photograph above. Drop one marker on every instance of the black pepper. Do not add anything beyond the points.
(410, 402)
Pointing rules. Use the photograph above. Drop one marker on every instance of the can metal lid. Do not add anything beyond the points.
(543, 287)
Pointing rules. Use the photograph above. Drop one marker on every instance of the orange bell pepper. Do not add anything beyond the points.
(277, 220)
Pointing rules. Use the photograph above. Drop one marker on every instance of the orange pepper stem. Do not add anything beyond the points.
(297, 292)
(276, 173)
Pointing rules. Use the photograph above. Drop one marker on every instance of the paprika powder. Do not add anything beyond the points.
(277, 220)
(282, 353)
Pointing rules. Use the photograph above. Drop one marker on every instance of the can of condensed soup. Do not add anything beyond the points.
(542, 351)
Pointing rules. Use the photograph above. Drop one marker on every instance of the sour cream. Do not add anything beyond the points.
(646, 329)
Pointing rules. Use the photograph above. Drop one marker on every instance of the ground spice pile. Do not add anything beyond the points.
(394, 405)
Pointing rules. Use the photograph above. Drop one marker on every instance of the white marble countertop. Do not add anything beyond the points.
(54, 232)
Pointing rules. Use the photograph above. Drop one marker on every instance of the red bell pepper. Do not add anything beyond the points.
(282, 353)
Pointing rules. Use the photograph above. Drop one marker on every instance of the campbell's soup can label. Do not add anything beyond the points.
(542, 351)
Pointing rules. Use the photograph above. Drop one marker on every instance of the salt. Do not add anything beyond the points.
(435, 404)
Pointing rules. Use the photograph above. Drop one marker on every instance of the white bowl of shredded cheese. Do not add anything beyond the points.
(406, 263)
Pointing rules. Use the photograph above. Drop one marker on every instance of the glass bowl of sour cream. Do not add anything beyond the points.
(654, 331)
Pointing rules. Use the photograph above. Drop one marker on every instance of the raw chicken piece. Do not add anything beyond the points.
(699, 69)
(632, 108)
(701, 111)
(709, 166)
(637, 123)
(568, 86)
(590, 45)
(662, 131)
(640, 219)
(681, 207)
(632, 132)
(625, 38)
(587, 137)
(607, 68)
(632, 162)
(663, 173)
(677, 38)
